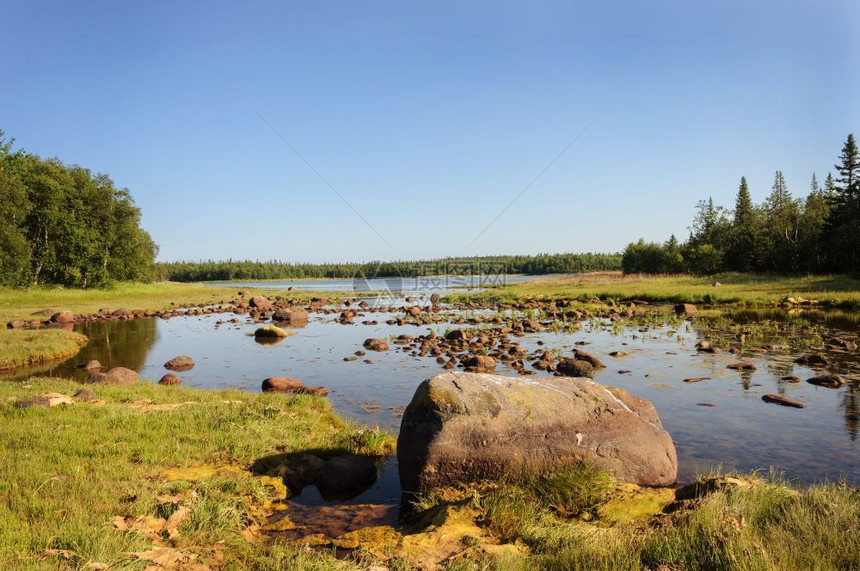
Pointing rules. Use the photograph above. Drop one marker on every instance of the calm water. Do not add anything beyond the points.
(425, 285)
(740, 432)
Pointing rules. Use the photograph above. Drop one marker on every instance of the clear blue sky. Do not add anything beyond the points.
(430, 117)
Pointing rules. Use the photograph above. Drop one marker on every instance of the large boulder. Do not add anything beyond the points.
(466, 427)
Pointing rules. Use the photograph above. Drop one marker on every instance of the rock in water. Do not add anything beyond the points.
(465, 427)
(294, 317)
(170, 380)
(180, 363)
(575, 368)
(685, 309)
(64, 316)
(260, 302)
(376, 344)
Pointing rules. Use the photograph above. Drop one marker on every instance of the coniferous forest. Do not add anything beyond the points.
(61, 224)
(783, 235)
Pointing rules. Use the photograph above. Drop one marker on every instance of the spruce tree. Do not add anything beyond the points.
(843, 227)
(741, 254)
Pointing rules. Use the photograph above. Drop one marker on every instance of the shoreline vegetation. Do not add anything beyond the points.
(165, 476)
(246, 270)
(722, 290)
(39, 346)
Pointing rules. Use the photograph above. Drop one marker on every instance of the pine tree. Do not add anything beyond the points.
(815, 212)
(782, 223)
(742, 253)
(843, 226)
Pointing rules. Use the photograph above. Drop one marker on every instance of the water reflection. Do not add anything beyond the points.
(736, 431)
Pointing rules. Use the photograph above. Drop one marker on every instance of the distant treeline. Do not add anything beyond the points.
(248, 270)
(62, 224)
(786, 235)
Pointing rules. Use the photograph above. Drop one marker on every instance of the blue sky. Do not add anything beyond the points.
(429, 118)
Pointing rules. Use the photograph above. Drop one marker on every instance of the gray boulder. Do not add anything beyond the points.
(466, 427)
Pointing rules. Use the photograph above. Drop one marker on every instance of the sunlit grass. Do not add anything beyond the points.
(742, 289)
(22, 347)
(67, 471)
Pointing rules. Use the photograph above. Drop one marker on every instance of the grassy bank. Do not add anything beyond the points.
(24, 303)
(580, 519)
(68, 472)
(24, 348)
(733, 289)
(151, 475)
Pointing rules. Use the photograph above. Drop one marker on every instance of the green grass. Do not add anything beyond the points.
(42, 345)
(28, 347)
(22, 303)
(735, 289)
(765, 525)
(65, 472)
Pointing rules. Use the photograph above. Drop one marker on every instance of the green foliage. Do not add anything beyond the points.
(842, 232)
(87, 463)
(61, 224)
(473, 267)
(641, 257)
(818, 234)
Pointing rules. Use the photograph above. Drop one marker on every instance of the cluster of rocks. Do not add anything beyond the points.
(480, 350)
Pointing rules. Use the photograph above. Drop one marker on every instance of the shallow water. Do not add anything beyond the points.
(423, 285)
(739, 431)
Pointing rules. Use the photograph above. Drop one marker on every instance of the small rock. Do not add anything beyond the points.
(828, 380)
(260, 302)
(813, 360)
(115, 376)
(697, 379)
(841, 343)
(45, 400)
(63, 317)
(376, 344)
(480, 364)
(180, 363)
(741, 366)
(270, 331)
(85, 394)
(781, 400)
(575, 368)
(170, 379)
(619, 354)
(790, 379)
(91, 365)
(282, 384)
(294, 317)
(583, 356)
(685, 309)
